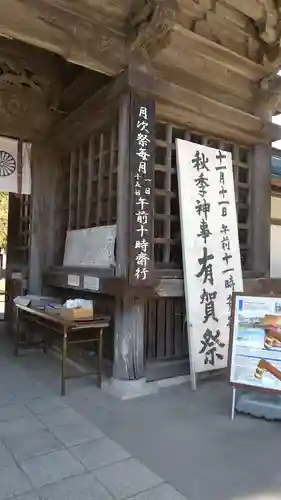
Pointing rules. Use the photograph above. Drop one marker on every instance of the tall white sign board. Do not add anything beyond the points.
(211, 255)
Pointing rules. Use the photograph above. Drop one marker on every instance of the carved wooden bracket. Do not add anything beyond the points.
(268, 96)
(269, 29)
(13, 74)
(151, 23)
(269, 25)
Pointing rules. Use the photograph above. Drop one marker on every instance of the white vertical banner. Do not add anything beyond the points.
(15, 176)
(210, 247)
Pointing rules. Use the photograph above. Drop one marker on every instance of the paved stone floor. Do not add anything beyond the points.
(174, 445)
(49, 451)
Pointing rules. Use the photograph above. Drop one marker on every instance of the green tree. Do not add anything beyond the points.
(4, 202)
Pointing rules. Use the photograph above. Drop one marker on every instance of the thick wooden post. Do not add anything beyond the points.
(129, 339)
(123, 196)
(260, 205)
(130, 310)
(45, 171)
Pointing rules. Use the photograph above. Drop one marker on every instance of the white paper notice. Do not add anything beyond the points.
(91, 283)
(73, 280)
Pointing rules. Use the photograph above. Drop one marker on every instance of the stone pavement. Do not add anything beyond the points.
(91, 446)
(48, 451)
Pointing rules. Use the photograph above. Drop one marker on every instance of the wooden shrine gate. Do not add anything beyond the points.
(208, 70)
(90, 198)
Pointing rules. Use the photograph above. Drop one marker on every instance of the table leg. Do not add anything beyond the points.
(63, 361)
(45, 342)
(17, 333)
(100, 359)
(233, 403)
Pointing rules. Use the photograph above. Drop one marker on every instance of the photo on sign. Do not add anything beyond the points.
(256, 342)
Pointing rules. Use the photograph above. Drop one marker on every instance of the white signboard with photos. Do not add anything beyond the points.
(256, 342)
(210, 246)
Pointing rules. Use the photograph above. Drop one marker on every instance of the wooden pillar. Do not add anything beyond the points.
(129, 339)
(44, 170)
(130, 309)
(260, 206)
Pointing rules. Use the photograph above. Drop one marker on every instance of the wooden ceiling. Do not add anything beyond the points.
(101, 34)
(233, 43)
(88, 31)
(218, 51)
(38, 89)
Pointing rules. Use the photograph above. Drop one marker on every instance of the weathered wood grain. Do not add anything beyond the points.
(105, 12)
(250, 8)
(45, 171)
(63, 33)
(123, 183)
(66, 28)
(187, 41)
(204, 124)
(206, 88)
(129, 339)
(82, 88)
(205, 114)
(260, 204)
(80, 124)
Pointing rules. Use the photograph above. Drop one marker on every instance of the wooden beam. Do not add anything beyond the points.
(226, 33)
(208, 89)
(198, 123)
(23, 113)
(188, 42)
(260, 210)
(123, 188)
(22, 56)
(250, 8)
(196, 108)
(272, 131)
(276, 152)
(78, 41)
(45, 171)
(173, 101)
(89, 117)
(129, 338)
(91, 155)
(196, 65)
(233, 15)
(106, 12)
(83, 87)
(151, 24)
(268, 96)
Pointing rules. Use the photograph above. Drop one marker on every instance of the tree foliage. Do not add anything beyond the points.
(4, 202)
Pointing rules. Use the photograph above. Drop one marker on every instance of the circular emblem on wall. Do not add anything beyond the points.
(7, 164)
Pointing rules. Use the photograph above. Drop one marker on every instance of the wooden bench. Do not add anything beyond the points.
(70, 332)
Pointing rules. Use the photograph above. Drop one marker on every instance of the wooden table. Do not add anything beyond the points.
(67, 329)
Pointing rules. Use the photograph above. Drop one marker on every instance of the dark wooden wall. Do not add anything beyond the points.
(45, 169)
(165, 332)
(90, 181)
(167, 242)
(90, 199)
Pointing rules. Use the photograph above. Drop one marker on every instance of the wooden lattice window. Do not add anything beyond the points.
(93, 181)
(167, 239)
